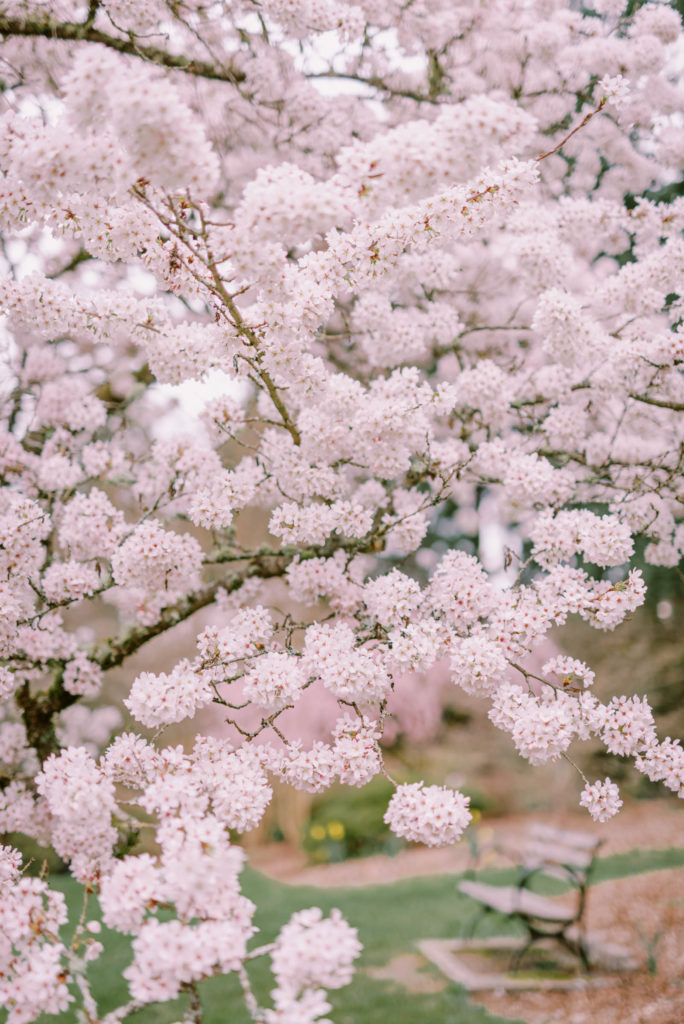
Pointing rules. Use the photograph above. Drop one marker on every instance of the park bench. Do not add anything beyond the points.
(557, 853)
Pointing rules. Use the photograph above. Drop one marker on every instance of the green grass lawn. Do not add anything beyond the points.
(390, 919)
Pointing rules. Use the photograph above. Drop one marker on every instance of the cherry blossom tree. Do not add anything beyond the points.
(419, 253)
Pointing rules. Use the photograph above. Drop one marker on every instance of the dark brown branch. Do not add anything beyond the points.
(81, 257)
(46, 28)
(251, 338)
(376, 83)
(264, 565)
(38, 713)
(114, 651)
(574, 131)
(39, 710)
(661, 403)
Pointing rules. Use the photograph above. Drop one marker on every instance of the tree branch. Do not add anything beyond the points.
(74, 32)
(574, 131)
(661, 403)
(376, 83)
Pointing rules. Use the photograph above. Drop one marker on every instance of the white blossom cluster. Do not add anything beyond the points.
(433, 815)
(601, 799)
(314, 952)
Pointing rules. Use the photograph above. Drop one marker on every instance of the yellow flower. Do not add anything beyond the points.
(336, 830)
(317, 832)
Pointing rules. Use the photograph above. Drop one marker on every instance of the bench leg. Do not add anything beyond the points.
(532, 936)
(578, 948)
(472, 926)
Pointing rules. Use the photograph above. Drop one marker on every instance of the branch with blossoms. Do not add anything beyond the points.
(134, 45)
(46, 27)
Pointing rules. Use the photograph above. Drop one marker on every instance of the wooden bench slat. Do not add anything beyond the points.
(565, 837)
(510, 900)
(538, 852)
